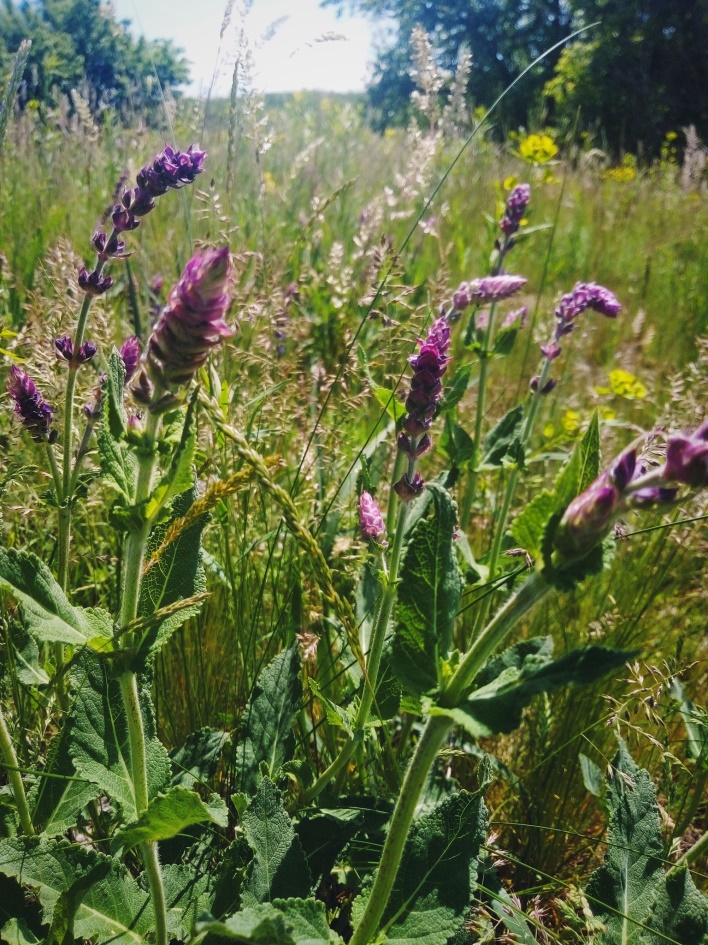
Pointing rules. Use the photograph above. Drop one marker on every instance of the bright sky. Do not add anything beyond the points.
(293, 58)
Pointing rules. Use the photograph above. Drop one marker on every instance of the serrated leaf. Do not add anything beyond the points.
(168, 815)
(434, 884)
(502, 441)
(179, 476)
(100, 743)
(496, 707)
(530, 527)
(255, 925)
(336, 715)
(307, 919)
(114, 908)
(59, 794)
(279, 868)
(266, 728)
(27, 668)
(46, 613)
(197, 760)
(117, 460)
(114, 391)
(176, 575)
(187, 894)
(428, 595)
(457, 389)
(638, 902)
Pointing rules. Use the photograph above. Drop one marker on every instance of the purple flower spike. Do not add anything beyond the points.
(191, 324)
(584, 295)
(488, 289)
(588, 518)
(92, 283)
(428, 365)
(516, 204)
(130, 352)
(687, 458)
(106, 248)
(408, 488)
(371, 520)
(32, 409)
(171, 169)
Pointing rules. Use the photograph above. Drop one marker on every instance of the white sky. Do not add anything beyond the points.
(291, 60)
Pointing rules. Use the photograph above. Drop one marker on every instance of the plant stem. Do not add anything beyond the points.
(430, 742)
(433, 736)
(134, 558)
(7, 753)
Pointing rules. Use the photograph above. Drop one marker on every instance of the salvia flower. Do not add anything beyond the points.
(371, 520)
(64, 348)
(409, 487)
(171, 169)
(93, 283)
(191, 324)
(583, 296)
(487, 289)
(687, 457)
(32, 409)
(109, 247)
(130, 352)
(428, 365)
(516, 204)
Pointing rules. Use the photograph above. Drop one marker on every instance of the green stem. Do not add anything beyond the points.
(373, 659)
(430, 743)
(531, 591)
(7, 752)
(699, 849)
(134, 558)
(433, 736)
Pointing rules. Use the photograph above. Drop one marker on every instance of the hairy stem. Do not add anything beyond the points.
(9, 758)
(134, 559)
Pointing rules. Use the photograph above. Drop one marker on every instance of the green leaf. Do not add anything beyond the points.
(336, 715)
(496, 707)
(27, 667)
(695, 720)
(387, 398)
(285, 922)
(100, 743)
(266, 727)
(428, 595)
(592, 775)
(435, 881)
(456, 444)
(506, 909)
(638, 902)
(279, 868)
(61, 931)
(46, 613)
(502, 443)
(17, 932)
(196, 761)
(168, 815)
(178, 574)
(59, 794)
(529, 529)
(179, 477)
(187, 893)
(454, 394)
(307, 919)
(115, 908)
(118, 462)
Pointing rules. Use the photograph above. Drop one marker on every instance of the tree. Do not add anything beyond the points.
(78, 44)
(639, 73)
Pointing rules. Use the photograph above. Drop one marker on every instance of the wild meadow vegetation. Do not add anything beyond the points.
(353, 543)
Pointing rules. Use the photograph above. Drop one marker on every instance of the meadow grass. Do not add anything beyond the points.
(319, 208)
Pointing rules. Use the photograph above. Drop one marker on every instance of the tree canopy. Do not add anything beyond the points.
(79, 44)
(640, 72)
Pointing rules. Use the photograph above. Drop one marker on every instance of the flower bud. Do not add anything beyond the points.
(32, 409)
(687, 458)
(130, 352)
(371, 520)
(584, 295)
(408, 488)
(92, 283)
(488, 289)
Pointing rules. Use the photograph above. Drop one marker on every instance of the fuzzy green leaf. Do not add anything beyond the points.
(47, 614)
(496, 707)
(56, 799)
(640, 903)
(428, 595)
(502, 441)
(17, 932)
(114, 908)
(529, 528)
(177, 575)
(27, 666)
(434, 885)
(179, 476)
(266, 728)
(196, 761)
(454, 394)
(168, 815)
(114, 393)
(100, 744)
(279, 868)
(284, 922)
